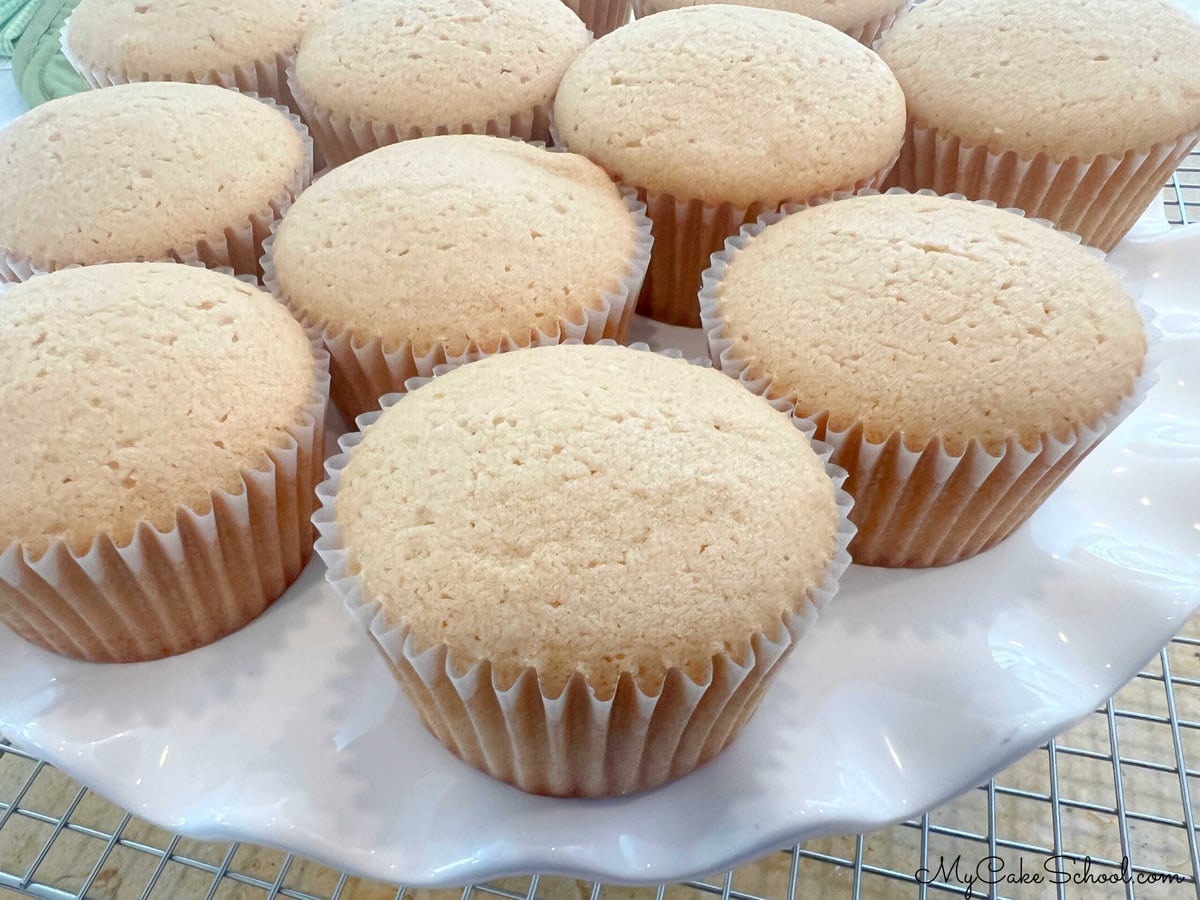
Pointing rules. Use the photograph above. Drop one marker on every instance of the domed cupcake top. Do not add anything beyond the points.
(589, 508)
(136, 171)
(1081, 78)
(932, 317)
(162, 39)
(731, 103)
(452, 239)
(844, 15)
(131, 389)
(424, 62)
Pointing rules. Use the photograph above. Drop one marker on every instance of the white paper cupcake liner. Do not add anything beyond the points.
(686, 234)
(600, 16)
(167, 592)
(365, 367)
(874, 30)
(266, 77)
(341, 138)
(867, 34)
(238, 246)
(1098, 199)
(926, 507)
(576, 743)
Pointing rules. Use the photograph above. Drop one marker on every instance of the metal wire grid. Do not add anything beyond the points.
(1181, 196)
(215, 867)
(60, 840)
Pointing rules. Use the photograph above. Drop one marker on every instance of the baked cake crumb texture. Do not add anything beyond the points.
(128, 390)
(933, 317)
(586, 507)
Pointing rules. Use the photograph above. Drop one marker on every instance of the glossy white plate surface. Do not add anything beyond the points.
(914, 686)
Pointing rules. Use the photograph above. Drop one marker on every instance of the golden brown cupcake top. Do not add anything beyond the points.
(586, 508)
(452, 239)
(137, 171)
(844, 15)
(129, 390)
(158, 40)
(1063, 77)
(933, 317)
(732, 103)
(428, 63)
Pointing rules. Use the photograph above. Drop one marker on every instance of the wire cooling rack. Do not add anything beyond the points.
(1103, 811)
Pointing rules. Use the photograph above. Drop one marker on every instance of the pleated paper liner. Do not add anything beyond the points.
(266, 77)
(167, 592)
(927, 506)
(600, 16)
(365, 367)
(341, 138)
(576, 742)
(238, 246)
(686, 234)
(1098, 199)
(867, 34)
(875, 29)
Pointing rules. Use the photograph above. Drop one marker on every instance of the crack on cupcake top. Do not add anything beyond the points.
(431, 63)
(453, 239)
(140, 170)
(586, 508)
(1074, 78)
(128, 390)
(732, 103)
(932, 317)
(159, 40)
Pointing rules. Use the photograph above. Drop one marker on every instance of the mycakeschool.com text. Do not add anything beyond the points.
(976, 876)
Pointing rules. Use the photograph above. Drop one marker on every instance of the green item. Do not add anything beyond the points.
(41, 71)
(15, 15)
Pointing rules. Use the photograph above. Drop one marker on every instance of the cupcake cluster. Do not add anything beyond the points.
(584, 562)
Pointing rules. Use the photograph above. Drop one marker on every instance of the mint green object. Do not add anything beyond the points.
(41, 71)
(15, 15)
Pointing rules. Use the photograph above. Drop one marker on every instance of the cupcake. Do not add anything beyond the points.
(863, 20)
(583, 563)
(1076, 111)
(960, 359)
(381, 71)
(245, 46)
(447, 249)
(162, 440)
(148, 171)
(718, 113)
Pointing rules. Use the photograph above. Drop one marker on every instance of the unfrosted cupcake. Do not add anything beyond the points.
(863, 20)
(381, 71)
(450, 248)
(584, 563)
(1076, 111)
(147, 171)
(162, 439)
(960, 359)
(718, 113)
(231, 43)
